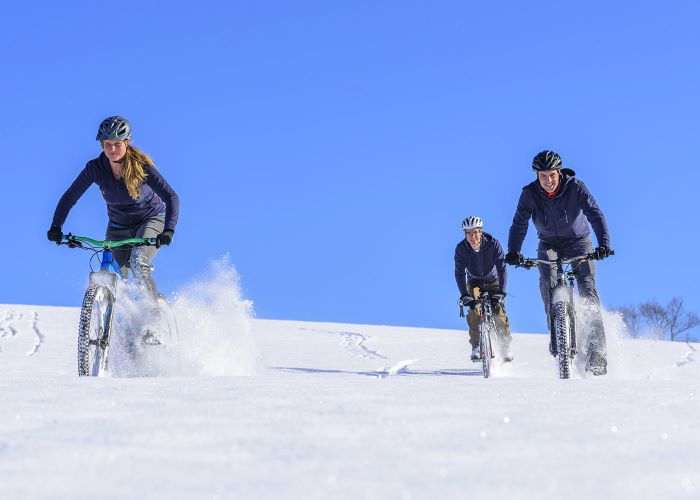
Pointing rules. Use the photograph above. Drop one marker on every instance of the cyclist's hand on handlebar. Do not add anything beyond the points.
(602, 252)
(54, 234)
(467, 300)
(164, 238)
(498, 298)
(514, 258)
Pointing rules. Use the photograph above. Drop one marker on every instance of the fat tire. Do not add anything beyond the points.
(563, 329)
(95, 320)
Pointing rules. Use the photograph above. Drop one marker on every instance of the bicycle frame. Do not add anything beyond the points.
(109, 263)
(562, 310)
(487, 331)
(97, 310)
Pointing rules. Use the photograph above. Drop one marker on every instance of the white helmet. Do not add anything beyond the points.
(472, 222)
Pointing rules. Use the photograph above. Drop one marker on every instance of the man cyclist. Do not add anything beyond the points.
(561, 208)
(479, 266)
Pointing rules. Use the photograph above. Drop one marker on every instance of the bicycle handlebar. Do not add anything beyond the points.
(529, 263)
(77, 242)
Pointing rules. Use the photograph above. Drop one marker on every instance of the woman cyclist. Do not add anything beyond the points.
(140, 204)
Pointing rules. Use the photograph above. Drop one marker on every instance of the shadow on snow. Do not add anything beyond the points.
(383, 373)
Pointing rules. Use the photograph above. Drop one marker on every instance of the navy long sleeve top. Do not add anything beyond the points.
(561, 219)
(155, 196)
(480, 267)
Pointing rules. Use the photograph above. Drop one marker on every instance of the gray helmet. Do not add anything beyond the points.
(546, 160)
(114, 128)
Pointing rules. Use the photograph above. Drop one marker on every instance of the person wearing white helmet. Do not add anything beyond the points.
(479, 266)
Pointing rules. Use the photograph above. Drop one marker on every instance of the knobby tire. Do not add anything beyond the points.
(563, 324)
(94, 331)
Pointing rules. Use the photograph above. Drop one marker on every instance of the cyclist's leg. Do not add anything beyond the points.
(499, 316)
(585, 279)
(140, 259)
(140, 264)
(473, 316)
(548, 280)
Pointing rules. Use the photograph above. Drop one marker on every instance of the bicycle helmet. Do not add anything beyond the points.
(472, 222)
(114, 128)
(546, 160)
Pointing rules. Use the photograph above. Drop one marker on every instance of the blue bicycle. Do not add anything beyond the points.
(97, 312)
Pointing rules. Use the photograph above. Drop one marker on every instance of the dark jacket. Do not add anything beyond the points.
(562, 219)
(122, 209)
(481, 267)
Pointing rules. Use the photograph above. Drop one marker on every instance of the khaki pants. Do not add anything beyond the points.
(473, 320)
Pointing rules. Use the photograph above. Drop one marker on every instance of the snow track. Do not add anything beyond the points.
(39, 341)
(352, 342)
(10, 328)
(7, 328)
(689, 356)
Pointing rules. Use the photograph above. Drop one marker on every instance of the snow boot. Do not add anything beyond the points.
(597, 364)
(476, 354)
(508, 355)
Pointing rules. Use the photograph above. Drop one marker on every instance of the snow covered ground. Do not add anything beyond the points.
(259, 409)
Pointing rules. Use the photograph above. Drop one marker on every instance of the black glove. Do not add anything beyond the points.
(602, 252)
(467, 300)
(54, 234)
(165, 238)
(514, 258)
(498, 298)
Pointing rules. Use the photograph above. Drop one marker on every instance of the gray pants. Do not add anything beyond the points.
(585, 279)
(138, 259)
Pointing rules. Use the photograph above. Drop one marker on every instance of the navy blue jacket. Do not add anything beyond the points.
(562, 219)
(122, 209)
(481, 267)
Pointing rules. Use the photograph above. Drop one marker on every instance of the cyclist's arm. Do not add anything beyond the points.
(521, 219)
(460, 274)
(84, 180)
(594, 215)
(160, 186)
(501, 270)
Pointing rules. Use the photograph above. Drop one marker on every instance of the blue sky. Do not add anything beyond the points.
(332, 148)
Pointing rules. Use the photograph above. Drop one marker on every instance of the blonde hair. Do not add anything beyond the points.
(133, 170)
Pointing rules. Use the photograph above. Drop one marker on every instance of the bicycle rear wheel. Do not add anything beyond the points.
(94, 331)
(563, 329)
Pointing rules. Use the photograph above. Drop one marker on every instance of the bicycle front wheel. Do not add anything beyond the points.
(487, 331)
(94, 331)
(563, 329)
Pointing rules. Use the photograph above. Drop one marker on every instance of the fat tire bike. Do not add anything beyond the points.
(97, 311)
(562, 309)
(487, 331)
